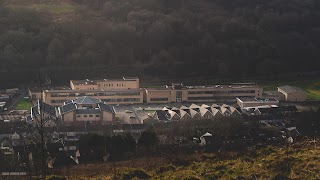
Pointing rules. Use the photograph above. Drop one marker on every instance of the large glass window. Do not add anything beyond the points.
(178, 96)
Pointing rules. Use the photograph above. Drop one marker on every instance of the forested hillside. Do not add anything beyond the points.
(237, 37)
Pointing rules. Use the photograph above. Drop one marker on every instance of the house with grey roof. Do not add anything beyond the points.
(6, 147)
(194, 106)
(216, 113)
(43, 113)
(162, 115)
(183, 107)
(194, 114)
(174, 108)
(174, 116)
(230, 111)
(234, 111)
(166, 115)
(204, 106)
(86, 109)
(225, 111)
(184, 116)
(205, 113)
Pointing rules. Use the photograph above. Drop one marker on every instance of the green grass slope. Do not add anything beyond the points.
(299, 161)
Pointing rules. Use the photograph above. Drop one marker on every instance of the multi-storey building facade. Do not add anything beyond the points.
(111, 91)
(85, 109)
(128, 91)
(217, 93)
(106, 84)
(116, 96)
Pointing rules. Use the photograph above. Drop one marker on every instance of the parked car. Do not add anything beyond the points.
(128, 111)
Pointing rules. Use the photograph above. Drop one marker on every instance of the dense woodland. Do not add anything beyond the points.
(237, 37)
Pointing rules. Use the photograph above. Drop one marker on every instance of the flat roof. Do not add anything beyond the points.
(95, 81)
(84, 82)
(157, 89)
(228, 86)
(231, 86)
(291, 89)
(253, 99)
(271, 93)
(37, 89)
(92, 90)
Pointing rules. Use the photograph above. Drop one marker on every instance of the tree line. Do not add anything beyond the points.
(94, 147)
(236, 37)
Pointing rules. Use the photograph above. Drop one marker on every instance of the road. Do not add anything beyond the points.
(136, 115)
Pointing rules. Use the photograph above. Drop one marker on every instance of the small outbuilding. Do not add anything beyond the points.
(292, 93)
(245, 102)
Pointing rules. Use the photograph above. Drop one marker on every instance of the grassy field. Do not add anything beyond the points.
(265, 163)
(45, 6)
(23, 104)
(54, 8)
(311, 86)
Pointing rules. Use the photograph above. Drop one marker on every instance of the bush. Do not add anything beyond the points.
(54, 177)
(180, 162)
(138, 173)
(280, 177)
(267, 151)
(164, 169)
(220, 167)
(191, 178)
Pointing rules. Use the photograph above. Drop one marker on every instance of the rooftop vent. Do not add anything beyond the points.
(177, 85)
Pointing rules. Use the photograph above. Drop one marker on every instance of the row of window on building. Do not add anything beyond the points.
(222, 92)
(87, 115)
(95, 94)
(111, 85)
(105, 100)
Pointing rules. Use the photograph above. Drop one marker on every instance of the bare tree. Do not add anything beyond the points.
(40, 135)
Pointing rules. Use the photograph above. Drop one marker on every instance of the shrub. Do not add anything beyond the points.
(191, 178)
(220, 167)
(165, 169)
(54, 177)
(180, 162)
(135, 173)
(267, 151)
(280, 177)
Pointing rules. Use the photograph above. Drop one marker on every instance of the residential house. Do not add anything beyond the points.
(86, 109)
(44, 114)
